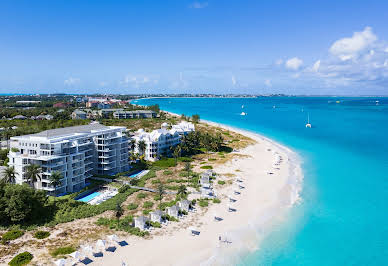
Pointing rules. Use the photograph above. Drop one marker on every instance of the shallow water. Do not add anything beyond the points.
(342, 217)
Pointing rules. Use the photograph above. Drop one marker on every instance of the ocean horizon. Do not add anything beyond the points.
(341, 217)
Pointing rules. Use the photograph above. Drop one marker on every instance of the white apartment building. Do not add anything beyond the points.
(77, 152)
(158, 142)
(184, 128)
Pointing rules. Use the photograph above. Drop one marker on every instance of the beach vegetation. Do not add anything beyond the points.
(167, 172)
(41, 234)
(148, 204)
(11, 235)
(124, 224)
(62, 251)
(216, 200)
(203, 203)
(207, 167)
(141, 195)
(21, 259)
(132, 206)
(221, 182)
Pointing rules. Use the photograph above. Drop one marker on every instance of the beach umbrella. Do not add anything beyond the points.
(101, 243)
(76, 254)
(60, 262)
(87, 248)
(113, 238)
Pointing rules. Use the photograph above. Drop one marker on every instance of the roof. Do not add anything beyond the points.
(157, 212)
(79, 112)
(141, 219)
(185, 202)
(70, 130)
(174, 208)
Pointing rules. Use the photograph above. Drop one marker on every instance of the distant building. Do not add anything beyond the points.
(91, 104)
(60, 105)
(44, 117)
(20, 117)
(134, 114)
(78, 114)
(76, 152)
(107, 112)
(104, 105)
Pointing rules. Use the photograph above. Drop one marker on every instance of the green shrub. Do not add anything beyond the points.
(221, 182)
(165, 163)
(167, 172)
(157, 198)
(155, 224)
(21, 259)
(41, 234)
(124, 188)
(15, 149)
(156, 181)
(212, 159)
(132, 206)
(146, 212)
(203, 203)
(148, 204)
(123, 225)
(215, 200)
(11, 235)
(62, 251)
(185, 159)
(141, 195)
(207, 167)
(149, 175)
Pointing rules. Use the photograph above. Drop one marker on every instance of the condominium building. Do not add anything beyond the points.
(134, 114)
(184, 128)
(76, 152)
(158, 143)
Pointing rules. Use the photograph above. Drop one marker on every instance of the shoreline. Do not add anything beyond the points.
(263, 202)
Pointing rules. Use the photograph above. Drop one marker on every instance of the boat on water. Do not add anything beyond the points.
(242, 106)
(243, 113)
(308, 125)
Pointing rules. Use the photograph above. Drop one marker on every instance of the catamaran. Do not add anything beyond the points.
(308, 125)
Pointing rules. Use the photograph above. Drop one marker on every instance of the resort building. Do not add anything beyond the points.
(76, 152)
(156, 216)
(78, 114)
(134, 114)
(184, 128)
(158, 143)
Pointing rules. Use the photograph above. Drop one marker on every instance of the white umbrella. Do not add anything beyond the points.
(101, 243)
(60, 262)
(87, 248)
(76, 254)
(113, 238)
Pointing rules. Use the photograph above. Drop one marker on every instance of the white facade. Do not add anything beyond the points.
(77, 152)
(159, 142)
(184, 128)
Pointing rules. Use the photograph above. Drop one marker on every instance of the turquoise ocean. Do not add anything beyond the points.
(342, 218)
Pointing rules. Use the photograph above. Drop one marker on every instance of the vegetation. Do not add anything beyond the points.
(11, 235)
(55, 179)
(21, 259)
(9, 174)
(221, 182)
(62, 251)
(132, 206)
(203, 203)
(148, 204)
(33, 173)
(206, 167)
(165, 163)
(41, 234)
(216, 200)
(122, 225)
(141, 195)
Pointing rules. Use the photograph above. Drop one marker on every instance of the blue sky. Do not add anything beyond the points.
(176, 46)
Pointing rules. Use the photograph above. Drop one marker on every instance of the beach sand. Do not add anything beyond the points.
(263, 201)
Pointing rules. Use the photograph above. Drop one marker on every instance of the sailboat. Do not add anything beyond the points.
(308, 125)
(243, 113)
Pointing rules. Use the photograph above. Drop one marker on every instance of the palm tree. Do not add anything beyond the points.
(119, 212)
(55, 179)
(161, 191)
(33, 173)
(132, 144)
(176, 152)
(182, 191)
(10, 174)
(141, 146)
(187, 169)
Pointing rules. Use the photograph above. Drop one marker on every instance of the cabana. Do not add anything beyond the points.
(173, 211)
(140, 222)
(156, 216)
(184, 205)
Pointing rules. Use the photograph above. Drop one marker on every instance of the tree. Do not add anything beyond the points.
(141, 146)
(188, 168)
(10, 174)
(195, 118)
(176, 152)
(119, 212)
(161, 191)
(132, 145)
(55, 180)
(182, 191)
(33, 173)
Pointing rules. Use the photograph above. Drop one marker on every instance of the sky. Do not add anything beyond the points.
(184, 46)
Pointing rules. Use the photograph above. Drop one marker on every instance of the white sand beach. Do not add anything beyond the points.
(263, 201)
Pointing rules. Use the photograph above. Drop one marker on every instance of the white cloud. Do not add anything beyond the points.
(350, 47)
(199, 5)
(268, 83)
(137, 81)
(294, 63)
(71, 81)
(386, 50)
(316, 66)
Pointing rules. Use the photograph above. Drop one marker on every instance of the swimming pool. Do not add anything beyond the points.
(136, 174)
(89, 197)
